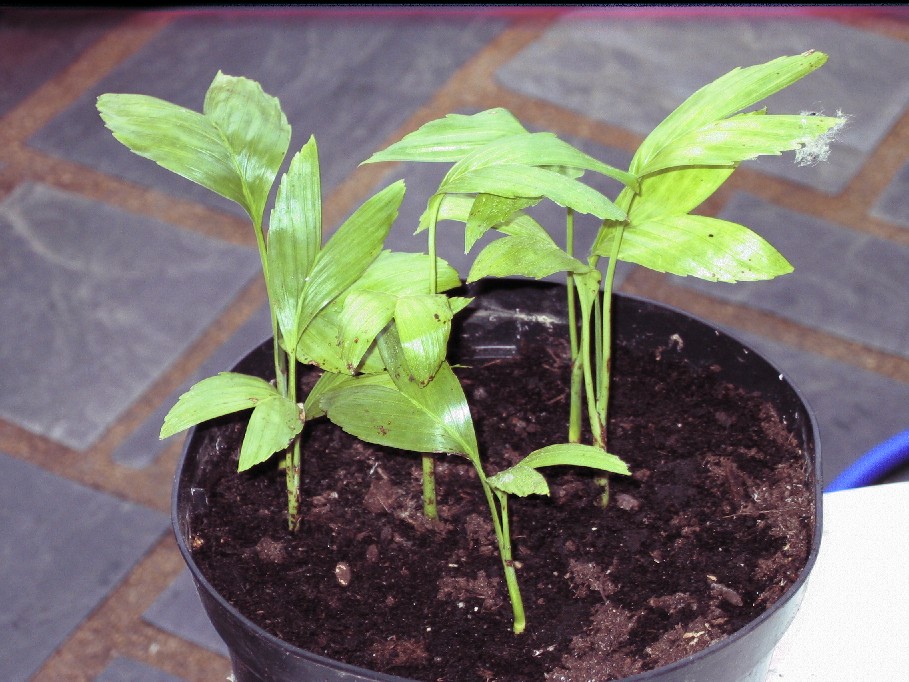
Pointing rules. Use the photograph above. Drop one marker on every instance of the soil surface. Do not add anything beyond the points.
(712, 527)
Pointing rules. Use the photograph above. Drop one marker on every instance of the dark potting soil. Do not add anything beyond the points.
(712, 527)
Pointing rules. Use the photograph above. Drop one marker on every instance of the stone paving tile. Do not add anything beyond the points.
(36, 44)
(350, 81)
(128, 670)
(143, 445)
(103, 302)
(179, 612)
(892, 205)
(63, 547)
(855, 409)
(847, 283)
(619, 71)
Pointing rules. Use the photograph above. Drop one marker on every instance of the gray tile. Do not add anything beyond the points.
(63, 547)
(128, 670)
(143, 445)
(847, 283)
(37, 43)
(620, 71)
(893, 204)
(350, 80)
(102, 302)
(179, 612)
(855, 409)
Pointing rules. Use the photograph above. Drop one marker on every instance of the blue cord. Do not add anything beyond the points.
(874, 464)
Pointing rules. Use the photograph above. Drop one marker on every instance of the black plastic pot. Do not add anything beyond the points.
(502, 316)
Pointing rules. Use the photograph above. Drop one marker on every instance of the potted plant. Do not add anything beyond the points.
(382, 345)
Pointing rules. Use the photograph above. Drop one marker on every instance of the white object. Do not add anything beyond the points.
(853, 624)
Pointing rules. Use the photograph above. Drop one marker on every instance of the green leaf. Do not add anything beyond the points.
(458, 207)
(488, 210)
(337, 338)
(576, 454)
(334, 381)
(535, 150)
(442, 398)
(350, 251)
(434, 418)
(451, 207)
(235, 148)
(364, 315)
(384, 416)
(318, 344)
(527, 256)
(702, 247)
(740, 138)
(295, 235)
(450, 138)
(523, 479)
(727, 95)
(328, 381)
(672, 192)
(274, 423)
(520, 480)
(403, 274)
(527, 181)
(216, 396)
(424, 324)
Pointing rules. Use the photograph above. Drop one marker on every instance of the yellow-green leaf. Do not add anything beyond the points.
(235, 148)
(216, 396)
(746, 136)
(294, 236)
(350, 251)
(520, 480)
(510, 180)
(424, 324)
(450, 138)
(274, 423)
(576, 454)
(699, 246)
(725, 96)
(525, 256)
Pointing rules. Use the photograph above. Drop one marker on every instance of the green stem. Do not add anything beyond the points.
(511, 578)
(606, 326)
(430, 502)
(279, 358)
(286, 383)
(502, 530)
(430, 506)
(577, 368)
(592, 414)
(604, 366)
(292, 461)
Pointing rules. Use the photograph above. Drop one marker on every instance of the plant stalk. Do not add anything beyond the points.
(292, 461)
(589, 379)
(606, 327)
(511, 578)
(286, 383)
(577, 367)
(430, 501)
(279, 357)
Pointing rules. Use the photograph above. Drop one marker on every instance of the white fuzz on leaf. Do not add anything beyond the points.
(815, 150)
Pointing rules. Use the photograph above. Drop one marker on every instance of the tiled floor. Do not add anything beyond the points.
(123, 284)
